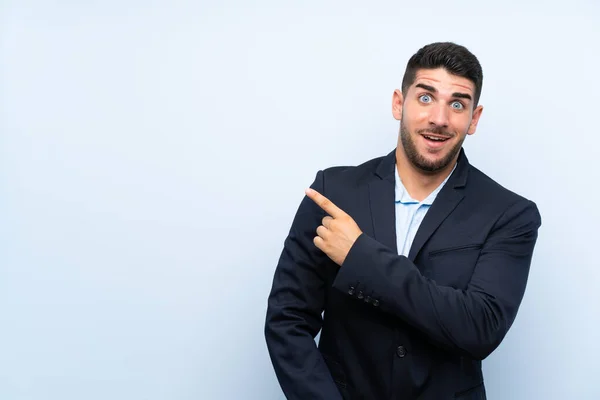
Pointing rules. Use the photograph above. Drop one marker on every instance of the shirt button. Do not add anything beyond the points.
(401, 351)
(360, 295)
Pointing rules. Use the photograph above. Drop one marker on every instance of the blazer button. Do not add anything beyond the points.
(360, 295)
(368, 299)
(401, 351)
(351, 291)
(375, 302)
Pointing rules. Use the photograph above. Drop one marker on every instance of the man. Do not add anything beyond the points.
(412, 265)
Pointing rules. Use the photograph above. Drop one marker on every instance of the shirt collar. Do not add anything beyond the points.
(403, 197)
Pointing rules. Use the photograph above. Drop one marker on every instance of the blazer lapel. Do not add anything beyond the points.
(446, 201)
(381, 198)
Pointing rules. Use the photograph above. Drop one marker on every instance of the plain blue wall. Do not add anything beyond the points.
(153, 153)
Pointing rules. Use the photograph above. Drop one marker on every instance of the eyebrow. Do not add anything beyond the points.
(434, 90)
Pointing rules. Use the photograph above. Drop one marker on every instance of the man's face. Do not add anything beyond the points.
(436, 113)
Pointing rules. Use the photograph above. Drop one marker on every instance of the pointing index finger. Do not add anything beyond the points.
(323, 202)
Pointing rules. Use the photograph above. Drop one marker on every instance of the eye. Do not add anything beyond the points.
(425, 98)
(457, 105)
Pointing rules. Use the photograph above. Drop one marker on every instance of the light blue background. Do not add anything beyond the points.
(153, 153)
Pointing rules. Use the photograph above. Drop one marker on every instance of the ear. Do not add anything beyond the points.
(397, 103)
(475, 120)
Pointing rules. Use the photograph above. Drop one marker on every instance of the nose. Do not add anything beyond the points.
(438, 116)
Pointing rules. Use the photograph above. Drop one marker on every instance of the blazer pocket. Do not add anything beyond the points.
(452, 266)
(474, 246)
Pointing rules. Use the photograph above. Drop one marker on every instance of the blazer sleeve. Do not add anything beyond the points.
(471, 322)
(294, 308)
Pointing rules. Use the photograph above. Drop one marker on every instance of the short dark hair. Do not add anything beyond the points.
(456, 59)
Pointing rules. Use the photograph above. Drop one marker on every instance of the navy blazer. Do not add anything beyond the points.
(396, 327)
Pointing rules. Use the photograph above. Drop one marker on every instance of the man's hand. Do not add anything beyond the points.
(338, 231)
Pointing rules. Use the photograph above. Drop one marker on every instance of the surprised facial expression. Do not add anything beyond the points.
(436, 114)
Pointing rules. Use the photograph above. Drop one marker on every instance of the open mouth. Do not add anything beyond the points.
(436, 139)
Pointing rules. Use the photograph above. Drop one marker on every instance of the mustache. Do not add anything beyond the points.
(435, 131)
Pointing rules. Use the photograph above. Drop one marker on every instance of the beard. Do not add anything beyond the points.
(418, 160)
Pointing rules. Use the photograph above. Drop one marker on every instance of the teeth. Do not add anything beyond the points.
(435, 139)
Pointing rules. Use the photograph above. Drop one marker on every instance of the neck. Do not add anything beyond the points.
(417, 182)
